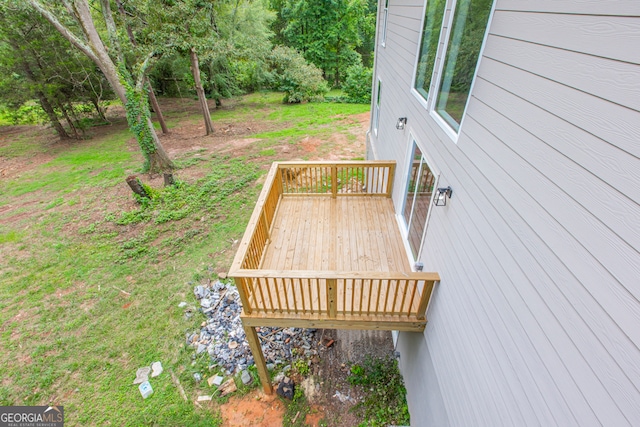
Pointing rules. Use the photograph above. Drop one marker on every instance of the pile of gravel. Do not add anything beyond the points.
(223, 337)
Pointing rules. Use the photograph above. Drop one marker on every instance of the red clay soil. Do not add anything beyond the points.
(255, 409)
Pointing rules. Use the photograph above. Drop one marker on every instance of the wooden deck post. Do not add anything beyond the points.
(424, 299)
(258, 357)
(332, 297)
(334, 180)
(392, 173)
(242, 291)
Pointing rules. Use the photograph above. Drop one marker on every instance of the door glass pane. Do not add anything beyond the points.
(376, 110)
(418, 198)
(465, 40)
(429, 45)
(414, 172)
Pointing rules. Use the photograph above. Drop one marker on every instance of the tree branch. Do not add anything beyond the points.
(66, 33)
(111, 29)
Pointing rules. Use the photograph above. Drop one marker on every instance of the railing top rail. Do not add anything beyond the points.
(255, 217)
(377, 163)
(334, 274)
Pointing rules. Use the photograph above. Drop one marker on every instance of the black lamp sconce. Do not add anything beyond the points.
(402, 121)
(441, 196)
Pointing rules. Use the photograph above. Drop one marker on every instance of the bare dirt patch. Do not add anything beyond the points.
(254, 409)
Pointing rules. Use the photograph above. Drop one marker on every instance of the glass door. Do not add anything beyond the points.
(420, 183)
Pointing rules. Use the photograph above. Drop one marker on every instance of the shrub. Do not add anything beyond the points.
(357, 85)
(293, 75)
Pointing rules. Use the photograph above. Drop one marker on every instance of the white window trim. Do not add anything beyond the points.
(450, 131)
(377, 106)
(402, 225)
(438, 59)
(385, 19)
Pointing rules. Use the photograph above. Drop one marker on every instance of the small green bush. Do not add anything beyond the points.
(357, 85)
(293, 75)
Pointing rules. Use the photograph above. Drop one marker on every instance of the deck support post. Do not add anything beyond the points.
(258, 357)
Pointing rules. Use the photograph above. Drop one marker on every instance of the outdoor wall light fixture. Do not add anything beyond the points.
(441, 196)
(401, 122)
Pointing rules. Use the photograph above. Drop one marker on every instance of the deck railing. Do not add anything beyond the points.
(327, 293)
(337, 178)
(335, 293)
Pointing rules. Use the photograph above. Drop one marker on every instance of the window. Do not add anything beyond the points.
(463, 51)
(429, 45)
(376, 108)
(385, 13)
(417, 201)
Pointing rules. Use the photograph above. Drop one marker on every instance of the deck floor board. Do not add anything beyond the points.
(345, 233)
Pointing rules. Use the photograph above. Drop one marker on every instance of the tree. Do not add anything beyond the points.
(326, 32)
(128, 86)
(152, 96)
(39, 59)
(186, 27)
(299, 80)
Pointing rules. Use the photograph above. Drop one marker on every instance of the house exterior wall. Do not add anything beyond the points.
(537, 318)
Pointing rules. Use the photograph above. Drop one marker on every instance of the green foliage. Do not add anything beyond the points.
(302, 367)
(37, 64)
(232, 40)
(299, 80)
(385, 396)
(357, 86)
(28, 113)
(178, 201)
(138, 115)
(326, 32)
(63, 270)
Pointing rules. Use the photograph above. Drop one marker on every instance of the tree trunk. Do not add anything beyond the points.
(156, 107)
(69, 121)
(195, 69)
(136, 186)
(75, 118)
(168, 179)
(53, 117)
(44, 101)
(96, 105)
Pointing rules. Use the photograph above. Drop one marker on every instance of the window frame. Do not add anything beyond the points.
(442, 53)
(385, 18)
(425, 102)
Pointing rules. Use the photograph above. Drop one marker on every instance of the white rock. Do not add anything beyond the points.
(156, 369)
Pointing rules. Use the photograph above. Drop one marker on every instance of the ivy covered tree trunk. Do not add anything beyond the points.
(139, 120)
(195, 69)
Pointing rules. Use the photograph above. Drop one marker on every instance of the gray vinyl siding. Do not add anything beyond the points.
(537, 318)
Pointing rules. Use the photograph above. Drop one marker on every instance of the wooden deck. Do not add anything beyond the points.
(322, 249)
(345, 233)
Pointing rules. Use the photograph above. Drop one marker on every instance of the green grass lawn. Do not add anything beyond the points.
(90, 282)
